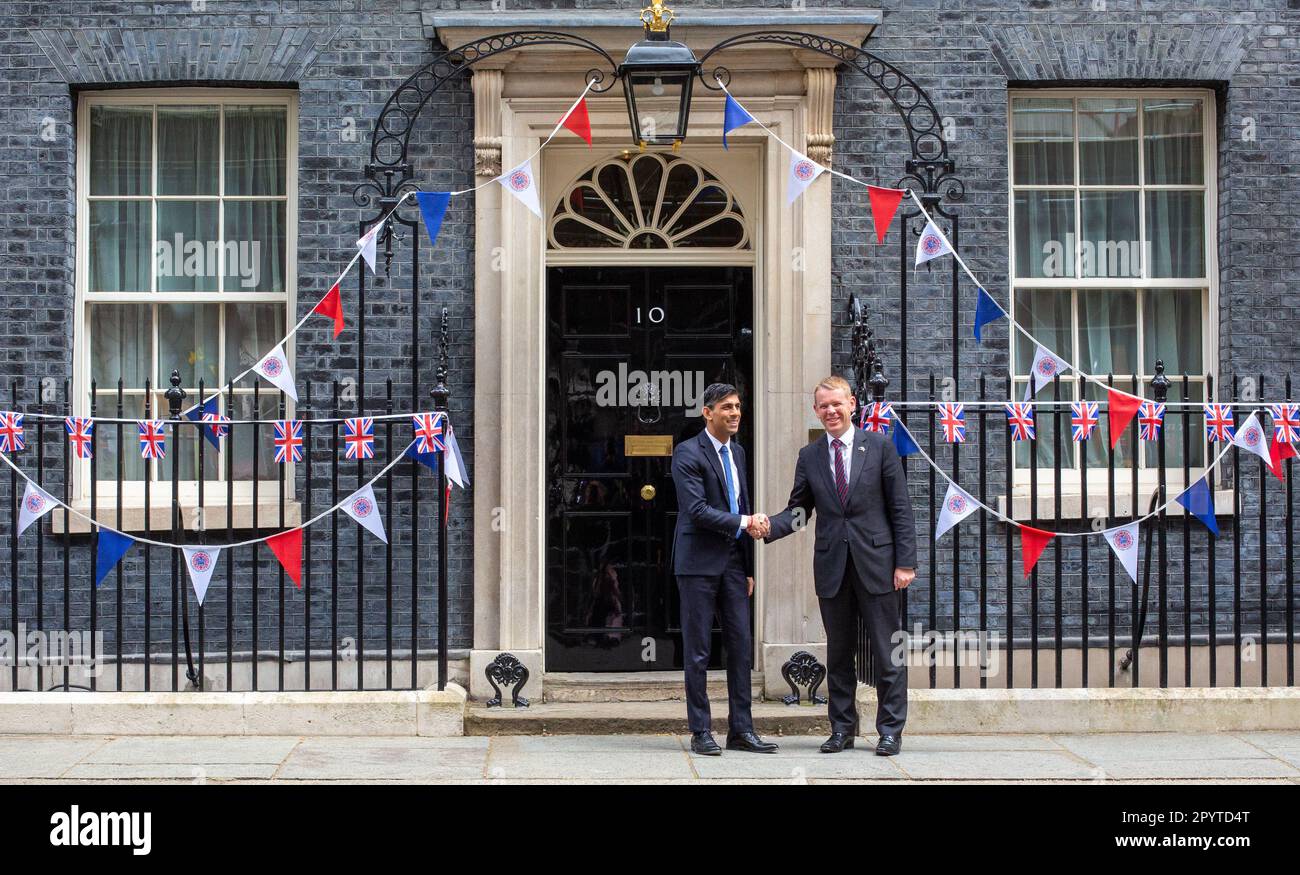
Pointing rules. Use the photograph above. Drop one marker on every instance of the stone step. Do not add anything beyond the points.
(664, 686)
(636, 718)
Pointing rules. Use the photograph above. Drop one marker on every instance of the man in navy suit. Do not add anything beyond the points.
(713, 559)
(865, 553)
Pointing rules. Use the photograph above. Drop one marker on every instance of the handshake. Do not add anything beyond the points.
(759, 526)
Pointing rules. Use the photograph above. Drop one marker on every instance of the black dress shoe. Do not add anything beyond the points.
(703, 743)
(889, 745)
(837, 742)
(750, 742)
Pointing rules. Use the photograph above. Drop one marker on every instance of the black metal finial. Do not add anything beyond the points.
(175, 395)
(879, 382)
(441, 394)
(1160, 383)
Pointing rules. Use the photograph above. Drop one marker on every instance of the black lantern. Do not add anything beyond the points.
(657, 76)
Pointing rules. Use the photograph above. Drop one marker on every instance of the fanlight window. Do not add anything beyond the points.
(649, 201)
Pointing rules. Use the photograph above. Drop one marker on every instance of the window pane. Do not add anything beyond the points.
(1176, 420)
(121, 345)
(255, 246)
(251, 331)
(1108, 133)
(1110, 246)
(1045, 427)
(1099, 443)
(187, 445)
(187, 255)
(121, 141)
(256, 145)
(188, 143)
(1045, 313)
(1176, 233)
(187, 341)
(243, 444)
(1043, 140)
(1171, 330)
(1174, 145)
(106, 443)
(120, 236)
(1044, 234)
(1108, 331)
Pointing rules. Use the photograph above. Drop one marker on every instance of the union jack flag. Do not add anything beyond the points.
(1219, 422)
(428, 432)
(288, 440)
(11, 432)
(153, 440)
(1151, 416)
(219, 425)
(359, 436)
(1084, 416)
(1020, 419)
(876, 416)
(952, 417)
(1286, 422)
(80, 433)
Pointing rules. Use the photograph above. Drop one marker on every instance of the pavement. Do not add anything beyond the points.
(1263, 757)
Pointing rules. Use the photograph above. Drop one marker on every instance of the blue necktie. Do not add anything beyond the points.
(731, 486)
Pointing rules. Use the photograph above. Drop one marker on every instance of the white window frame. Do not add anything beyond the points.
(1209, 286)
(215, 490)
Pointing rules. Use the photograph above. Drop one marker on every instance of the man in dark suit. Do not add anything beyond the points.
(865, 553)
(713, 559)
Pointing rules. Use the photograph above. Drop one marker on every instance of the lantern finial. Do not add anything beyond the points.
(657, 17)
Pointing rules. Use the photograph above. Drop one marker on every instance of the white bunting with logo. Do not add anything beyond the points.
(522, 183)
(367, 245)
(201, 561)
(1124, 541)
(931, 245)
(1046, 366)
(1251, 437)
(36, 504)
(363, 508)
(274, 366)
(803, 173)
(957, 505)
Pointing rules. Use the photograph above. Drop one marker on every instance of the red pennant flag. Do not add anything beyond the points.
(578, 121)
(1123, 407)
(332, 305)
(1278, 452)
(1032, 543)
(884, 203)
(287, 547)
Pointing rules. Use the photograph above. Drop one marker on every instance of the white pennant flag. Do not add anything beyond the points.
(367, 245)
(201, 561)
(1124, 541)
(363, 508)
(1250, 436)
(456, 472)
(957, 505)
(931, 245)
(1046, 366)
(522, 183)
(803, 173)
(274, 366)
(36, 504)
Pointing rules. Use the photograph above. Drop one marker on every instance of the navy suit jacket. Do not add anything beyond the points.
(706, 527)
(875, 526)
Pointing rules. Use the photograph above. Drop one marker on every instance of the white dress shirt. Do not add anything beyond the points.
(735, 472)
(847, 440)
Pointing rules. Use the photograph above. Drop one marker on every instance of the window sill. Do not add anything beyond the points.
(1098, 502)
(160, 514)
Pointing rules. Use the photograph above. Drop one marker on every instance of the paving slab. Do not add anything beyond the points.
(955, 743)
(1206, 768)
(594, 744)
(508, 761)
(1121, 746)
(994, 765)
(199, 751)
(43, 756)
(190, 773)
(389, 759)
(1283, 745)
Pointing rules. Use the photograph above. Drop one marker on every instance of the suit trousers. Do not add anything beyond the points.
(726, 596)
(882, 620)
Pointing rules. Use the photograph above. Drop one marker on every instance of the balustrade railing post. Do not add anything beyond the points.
(175, 397)
(1160, 389)
(441, 399)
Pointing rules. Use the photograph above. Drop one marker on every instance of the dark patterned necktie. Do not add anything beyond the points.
(841, 481)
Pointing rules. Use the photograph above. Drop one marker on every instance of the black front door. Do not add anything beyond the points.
(629, 352)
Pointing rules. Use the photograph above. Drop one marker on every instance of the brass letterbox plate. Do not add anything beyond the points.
(647, 445)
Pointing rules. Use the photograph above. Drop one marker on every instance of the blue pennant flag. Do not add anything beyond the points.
(196, 414)
(429, 459)
(433, 206)
(734, 117)
(903, 440)
(986, 310)
(112, 547)
(1200, 501)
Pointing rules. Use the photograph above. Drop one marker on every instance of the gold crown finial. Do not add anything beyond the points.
(656, 17)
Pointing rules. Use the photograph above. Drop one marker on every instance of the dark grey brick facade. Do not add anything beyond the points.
(345, 57)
